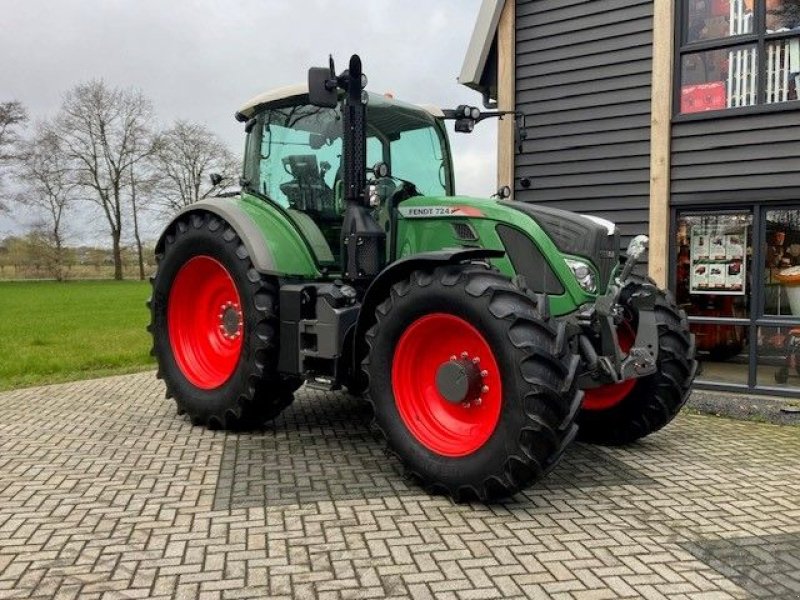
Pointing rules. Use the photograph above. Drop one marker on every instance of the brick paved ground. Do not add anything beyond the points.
(104, 492)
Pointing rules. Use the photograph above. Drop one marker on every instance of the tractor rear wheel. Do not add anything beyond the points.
(472, 386)
(214, 321)
(621, 413)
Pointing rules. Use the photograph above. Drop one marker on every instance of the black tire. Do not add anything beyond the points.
(656, 399)
(538, 374)
(254, 393)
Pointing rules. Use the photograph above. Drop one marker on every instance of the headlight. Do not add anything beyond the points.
(583, 274)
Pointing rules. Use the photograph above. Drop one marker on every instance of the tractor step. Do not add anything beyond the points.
(323, 384)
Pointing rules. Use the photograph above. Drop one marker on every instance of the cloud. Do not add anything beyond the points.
(200, 59)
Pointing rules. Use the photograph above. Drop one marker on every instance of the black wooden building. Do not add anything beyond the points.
(675, 118)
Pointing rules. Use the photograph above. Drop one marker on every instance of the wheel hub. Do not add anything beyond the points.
(461, 380)
(230, 320)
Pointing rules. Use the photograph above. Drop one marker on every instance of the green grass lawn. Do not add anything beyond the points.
(52, 332)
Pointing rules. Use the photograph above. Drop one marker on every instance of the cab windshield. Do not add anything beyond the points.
(301, 149)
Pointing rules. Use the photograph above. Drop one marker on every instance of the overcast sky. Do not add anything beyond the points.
(200, 60)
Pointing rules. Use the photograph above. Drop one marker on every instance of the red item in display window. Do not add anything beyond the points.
(720, 8)
(702, 97)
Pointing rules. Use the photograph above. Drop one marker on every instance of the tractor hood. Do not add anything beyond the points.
(573, 233)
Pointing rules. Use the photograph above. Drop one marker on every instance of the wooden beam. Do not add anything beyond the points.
(506, 55)
(660, 134)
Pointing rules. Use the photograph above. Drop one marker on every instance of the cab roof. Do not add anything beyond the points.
(292, 94)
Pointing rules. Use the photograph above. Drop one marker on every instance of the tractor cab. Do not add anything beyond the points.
(294, 159)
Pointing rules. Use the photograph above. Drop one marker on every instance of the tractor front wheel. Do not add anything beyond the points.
(214, 321)
(473, 388)
(621, 413)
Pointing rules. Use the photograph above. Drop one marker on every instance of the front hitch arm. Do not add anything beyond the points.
(611, 364)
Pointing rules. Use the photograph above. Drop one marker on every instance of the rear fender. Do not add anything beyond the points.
(272, 241)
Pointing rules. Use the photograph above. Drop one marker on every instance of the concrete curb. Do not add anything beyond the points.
(746, 406)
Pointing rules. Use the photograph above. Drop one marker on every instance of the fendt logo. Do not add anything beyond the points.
(422, 212)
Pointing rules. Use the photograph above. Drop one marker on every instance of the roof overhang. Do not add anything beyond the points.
(480, 44)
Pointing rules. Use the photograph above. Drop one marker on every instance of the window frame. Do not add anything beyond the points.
(757, 319)
(760, 38)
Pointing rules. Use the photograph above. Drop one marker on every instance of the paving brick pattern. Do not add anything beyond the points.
(106, 493)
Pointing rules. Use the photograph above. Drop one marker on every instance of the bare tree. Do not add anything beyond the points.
(141, 186)
(48, 189)
(185, 156)
(13, 116)
(105, 134)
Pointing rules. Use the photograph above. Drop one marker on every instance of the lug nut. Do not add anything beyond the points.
(464, 355)
(465, 404)
(485, 389)
(478, 401)
(484, 373)
(453, 357)
(476, 360)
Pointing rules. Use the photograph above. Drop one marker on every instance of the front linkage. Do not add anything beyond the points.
(599, 325)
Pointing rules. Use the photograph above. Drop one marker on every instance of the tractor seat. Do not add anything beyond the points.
(313, 235)
(307, 190)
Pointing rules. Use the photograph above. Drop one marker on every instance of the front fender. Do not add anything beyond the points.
(401, 269)
(271, 239)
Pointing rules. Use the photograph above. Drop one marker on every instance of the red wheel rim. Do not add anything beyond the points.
(441, 426)
(205, 322)
(607, 396)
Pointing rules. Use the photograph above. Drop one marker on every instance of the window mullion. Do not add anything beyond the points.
(761, 54)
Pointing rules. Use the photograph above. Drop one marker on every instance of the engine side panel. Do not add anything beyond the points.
(433, 223)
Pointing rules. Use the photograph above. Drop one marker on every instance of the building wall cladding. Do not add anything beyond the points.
(742, 158)
(583, 74)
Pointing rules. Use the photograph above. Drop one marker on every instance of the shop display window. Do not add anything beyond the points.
(738, 53)
(718, 79)
(779, 357)
(714, 19)
(782, 263)
(782, 15)
(714, 274)
(738, 279)
(714, 265)
(725, 352)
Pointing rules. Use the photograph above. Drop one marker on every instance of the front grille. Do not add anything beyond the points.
(576, 235)
(606, 257)
(529, 262)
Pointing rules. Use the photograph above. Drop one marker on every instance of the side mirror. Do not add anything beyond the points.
(322, 88)
(216, 179)
(465, 125)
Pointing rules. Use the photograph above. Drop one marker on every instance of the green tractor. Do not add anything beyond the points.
(486, 333)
